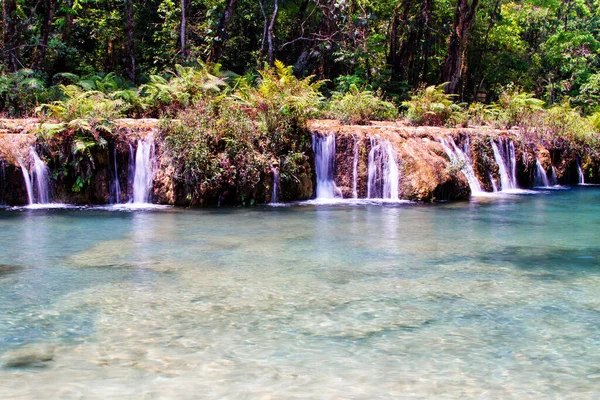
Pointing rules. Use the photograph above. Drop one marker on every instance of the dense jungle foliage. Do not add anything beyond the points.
(546, 47)
(527, 63)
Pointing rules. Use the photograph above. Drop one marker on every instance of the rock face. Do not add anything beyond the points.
(422, 164)
(428, 173)
(425, 169)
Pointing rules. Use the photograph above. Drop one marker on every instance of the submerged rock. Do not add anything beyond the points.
(6, 269)
(33, 356)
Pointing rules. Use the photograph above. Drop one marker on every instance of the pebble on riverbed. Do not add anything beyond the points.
(28, 357)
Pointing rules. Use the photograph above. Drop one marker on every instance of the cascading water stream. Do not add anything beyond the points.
(276, 182)
(41, 178)
(324, 149)
(553, 179)
(355, 170)
(506, 164)
(116, 186)
(494, 186)
(382, 171)
(456, 155)
(130, 173)
(580, 174)
(541, 179)
(144, 174)
(2, 181)
(37, 182)
(513, 164)
(27, 180)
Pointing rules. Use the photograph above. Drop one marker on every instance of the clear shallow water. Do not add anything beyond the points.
(498, 297)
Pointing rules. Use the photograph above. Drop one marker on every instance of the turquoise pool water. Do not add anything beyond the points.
(497, 297)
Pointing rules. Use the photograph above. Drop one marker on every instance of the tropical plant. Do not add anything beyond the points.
(280, 94)
(183, 87)
(430, 106)
(21, 92)
(517, 107)
(361, 106)
(79, 106)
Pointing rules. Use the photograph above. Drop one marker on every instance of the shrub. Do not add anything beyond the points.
(83, 106)
(430, 106)
(517, 108)
(483, 114)
(182, 88)
(21, 92)
(279, 94)
(564, 123)
(360, 107)
(222, 150)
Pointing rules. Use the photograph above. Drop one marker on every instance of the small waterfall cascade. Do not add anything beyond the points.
(355, 170)
(580, 174)
(130, 173)
(2, 180)
(507, 163)
(116, 186)
(41, 178)
(27, 180)
(513, 163)
(37, 182)
(494, 185)
(144, 174)
(553, 179)
(276, 183)
(382, 171)
(456, 155)
(324, 149)
(541, 178)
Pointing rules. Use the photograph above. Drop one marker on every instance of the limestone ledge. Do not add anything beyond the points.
(426, 173)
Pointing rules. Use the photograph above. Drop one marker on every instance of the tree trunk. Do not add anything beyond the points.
(426, 15)
(183, 29)
(395, 60)
(263, 40)
(494, 16)
(455, 63)
(270, 33)
(129, 41)
(39, 55)
(10, 37)
(217, 48)
(66, 34)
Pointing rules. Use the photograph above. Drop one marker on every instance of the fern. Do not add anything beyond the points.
(360, 107)
(430, 106)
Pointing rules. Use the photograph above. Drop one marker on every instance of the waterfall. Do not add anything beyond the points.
(27, 180)
(37, 182)
(2, 181)
(130, 173)
(324, 149)
(494, 186)
(458, 156)
(383, 171)
(513, 164)
(541, 179)
(276, 181)
(355, 169)
(506, 160)
(580, 173)
(553, 179)
(143, 176)
(40, 178)
(116, 186)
